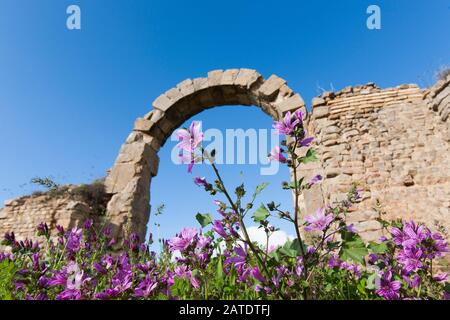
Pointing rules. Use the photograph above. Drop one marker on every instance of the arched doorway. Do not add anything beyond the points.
(129, 179)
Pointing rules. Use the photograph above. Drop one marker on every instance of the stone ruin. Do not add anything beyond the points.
(394, 142)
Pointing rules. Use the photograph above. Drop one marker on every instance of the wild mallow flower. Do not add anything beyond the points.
(74, 240)
(203, 242)
(219, 229)
(413, 281)
(411, 235)
(257, 274)
(316, 179)
(43, 230)
(277, 155)
(146, 287)
(334, 262)
(389, 289)
(200, 181)
(88, 224)
(442, 277)
(190, 138)
(9, 239)
(318, 221)
(287, 125)
(410, 258)
(306, 142)
(184, 240)
(239, 259)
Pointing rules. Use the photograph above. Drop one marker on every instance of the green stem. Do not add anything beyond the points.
(296, 217)
(241, 221)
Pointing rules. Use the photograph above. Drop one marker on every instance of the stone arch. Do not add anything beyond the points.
(128, 181)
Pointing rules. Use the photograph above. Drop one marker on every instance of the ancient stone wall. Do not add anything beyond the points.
(68, 207)
(394, 142)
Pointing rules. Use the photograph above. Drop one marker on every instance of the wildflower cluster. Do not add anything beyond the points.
(328, 259)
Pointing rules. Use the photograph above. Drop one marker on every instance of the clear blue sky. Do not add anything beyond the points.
(68, 99)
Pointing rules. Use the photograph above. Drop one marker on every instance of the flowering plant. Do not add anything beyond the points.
(223, 262)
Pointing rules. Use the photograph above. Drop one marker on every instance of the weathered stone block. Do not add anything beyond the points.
(229, 76)
(290, 104)
(143, 125)
(162, 103)
(320, 112)
(214, 77)
(186, 87)
(247, 77)
(271, 86)
(200, 83)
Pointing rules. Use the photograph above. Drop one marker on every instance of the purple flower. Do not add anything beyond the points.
(219, 229)
(389, 289)
(257, 274)
(319, 221)
(195, 282)
(239, 259)
(439, 246)
(200, 181)
(190, 138)
(373, 257)
(60, 229)
(43, 230)
(410, 259)
(146, 287)
(287, 125)
(35, 259)
(183, 241)
(334, 262)
(88, 224)
(351, 228)
(441, 277)
(413, 282)
(74, 240)
(4, 256)
(306, 142)
(277, 155)
(203, 242)
(414, 234)
(299, 115)
(69, 294)
(9, 239)
(58, 279)
(316, 179)
(299, 267)
(107, 294)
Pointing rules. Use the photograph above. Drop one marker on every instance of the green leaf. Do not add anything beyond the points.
(378, 247)
(371, 281)
(292, 249)
(274, 254)
(261, 214)
(219, 272)
(7, 272)
(353, 250)
(204, 219)
(309, 157)
(260, 188)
